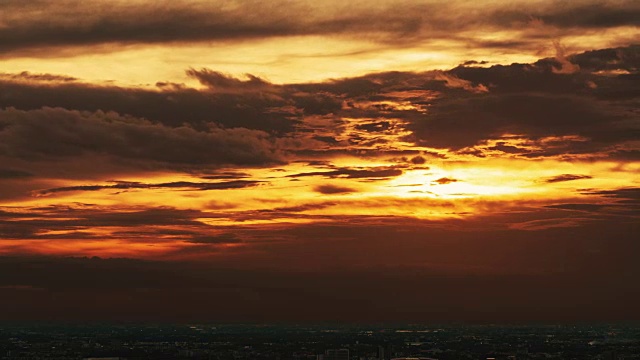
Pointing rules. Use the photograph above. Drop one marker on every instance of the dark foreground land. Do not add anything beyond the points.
(317, 342)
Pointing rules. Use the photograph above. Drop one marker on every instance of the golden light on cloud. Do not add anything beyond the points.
(296, 59)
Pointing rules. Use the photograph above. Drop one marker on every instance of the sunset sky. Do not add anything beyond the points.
(367, 161)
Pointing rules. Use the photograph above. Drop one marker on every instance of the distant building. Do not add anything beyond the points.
(522, 354)
(384, 352)
(336, 354)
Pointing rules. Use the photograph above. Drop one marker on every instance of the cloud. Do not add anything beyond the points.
(31, 77)
(622, 204)
(14, 174)
(452, 81)
(166, 107)
(622, 58)
(418, 160)
(217, 80)
(371, 113)
(465, 122)
(226, 238)
(539, 247)
(127, 185)
(275, 109)
(566, 177)
(590, 14)
(37, 25)
(629, 195)
(224, 175)
(329, 189)
(502, 146)
(51, 133)
(79, 223)
(566, 66)
(445, 180)
(579, 207)
(353, 173)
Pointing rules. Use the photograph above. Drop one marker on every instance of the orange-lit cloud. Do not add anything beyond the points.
(294, 41)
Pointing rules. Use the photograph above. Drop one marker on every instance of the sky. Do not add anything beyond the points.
(307, 161)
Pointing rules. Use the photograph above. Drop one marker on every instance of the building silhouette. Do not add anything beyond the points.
(336, 354)
(384, 352)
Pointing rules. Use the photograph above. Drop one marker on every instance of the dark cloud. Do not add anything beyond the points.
(566, 177)
(149, 225)
(13, 174)
(171, 107)
(225, 175)
(329, 189)
(418, 160)
(216, 80)
(58, 133)
(27, 77)
(622, 203)
(532, 100)
(502, 146)
(36, 25)
(326, 139)
(375, 126)
(354, 173)
(73, 220)
(623, 58)
(445, 180)
(625, 194)
(226, 238)
(592, 15)
(452, 81)
(301, 208)
(187, 185)
(554, 113)
(474, 62)
(579, 207)
(460, 123)
(275, 109)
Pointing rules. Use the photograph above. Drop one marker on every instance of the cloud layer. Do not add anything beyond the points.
(27, 25)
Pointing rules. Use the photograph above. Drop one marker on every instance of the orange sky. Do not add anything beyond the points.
(457, 138)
